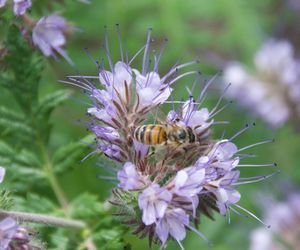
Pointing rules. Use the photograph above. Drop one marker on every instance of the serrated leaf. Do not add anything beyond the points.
(70, 154)
(34, 203)
(51, 101)
(87, 206)
(67, 156)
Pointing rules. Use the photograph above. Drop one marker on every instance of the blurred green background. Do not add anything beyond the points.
(211, 31)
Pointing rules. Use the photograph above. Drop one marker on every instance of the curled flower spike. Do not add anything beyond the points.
(49, 34)
(170, 172)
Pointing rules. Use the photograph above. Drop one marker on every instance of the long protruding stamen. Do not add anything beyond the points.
(220, 110)
(147, 52)
(157, 60)
(220, 99)
(258, 179)
(107, 178)
(181, 246)
(107, 168)
(88, 155)
(247, 126)
(76, 85)
(255, 144)
(252, 215)
(174, 69)
(120, 41)
(257, 165)
(106, 49)
(196, 81)
(86, 50)
(87, 85)
(182, 75)
(203, 91)
(220, 123)
(199, 234)
(136, 54)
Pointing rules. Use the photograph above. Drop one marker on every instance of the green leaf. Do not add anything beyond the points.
(51, 101)
(25, 69)
(69, 155)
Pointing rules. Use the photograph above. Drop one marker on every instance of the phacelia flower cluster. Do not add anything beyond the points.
(163, 189)
(273, 84)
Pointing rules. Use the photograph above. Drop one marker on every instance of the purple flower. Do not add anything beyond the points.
(150, 89)
(106, 133)
(188, 182)
(8, 228)
(117, 82)
(2, 173)
(225, 194)
(173, 223)
(112, 151)
(140, 149)
(2, 3)
(49, 35)
(20, 6)
(273, 85)
(154, 201)
(221, 155)
(130, 178)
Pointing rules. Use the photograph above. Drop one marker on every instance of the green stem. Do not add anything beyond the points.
(48, 167)
(41, 218)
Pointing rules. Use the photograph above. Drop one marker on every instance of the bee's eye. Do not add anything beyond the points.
(181, 134)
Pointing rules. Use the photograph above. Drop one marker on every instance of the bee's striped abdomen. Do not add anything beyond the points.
(150, 134)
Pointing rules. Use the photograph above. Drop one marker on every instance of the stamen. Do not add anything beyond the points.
(252, 215)
(220, 110)
(108, 178)
(181, 246)
(195, 82)
(199, 234)
(86, 50)
(139, 51)
(74, 84)
(182, 75)
(175, 69)
(220, 122)
(120, 41)
(106, 49)
(220, 99)
(247, 126)
(205, 87)
(146, 52)
(255, 179)
(255, 144)
(155, 69)
(88, 84)
(90, 154)
(257, 165)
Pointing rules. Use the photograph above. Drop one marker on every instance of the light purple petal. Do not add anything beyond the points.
(20, 6)
(8, 228)
(154, 201)
(2, 3)
(2, 173)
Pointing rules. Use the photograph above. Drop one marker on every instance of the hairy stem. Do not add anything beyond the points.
(48, 167)
(44, 219)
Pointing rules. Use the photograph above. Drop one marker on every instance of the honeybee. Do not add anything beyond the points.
(157, 134)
